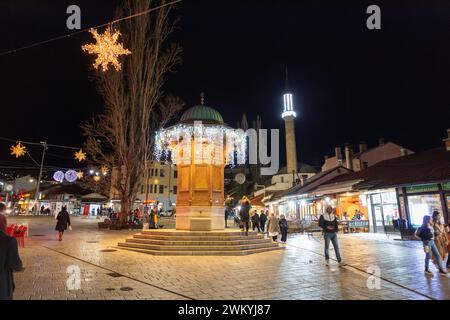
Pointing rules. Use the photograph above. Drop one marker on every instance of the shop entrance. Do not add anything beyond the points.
(384, 211)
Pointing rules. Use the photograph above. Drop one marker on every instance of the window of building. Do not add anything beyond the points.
(155, 190)
(161, 189)
(175, 174)
(142, 188)
(150, 190)
(156, 172)
(161, 172)
(151, 172)
(421, 205)
(175, 189)
(282, 179)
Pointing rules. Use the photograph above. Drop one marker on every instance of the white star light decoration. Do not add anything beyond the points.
(107, 49)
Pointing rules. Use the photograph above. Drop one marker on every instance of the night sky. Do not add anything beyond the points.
(349, 83)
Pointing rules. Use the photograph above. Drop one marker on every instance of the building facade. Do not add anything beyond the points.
(158, 188)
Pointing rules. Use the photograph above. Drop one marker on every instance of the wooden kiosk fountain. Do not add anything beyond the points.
(200, 145)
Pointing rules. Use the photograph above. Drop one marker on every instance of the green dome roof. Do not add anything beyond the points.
(201, 113)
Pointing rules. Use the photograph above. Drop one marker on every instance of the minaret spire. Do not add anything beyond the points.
(289, 116)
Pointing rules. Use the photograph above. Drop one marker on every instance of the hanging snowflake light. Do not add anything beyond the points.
(80, 175)
(80, 155)
(104, 170)
(107, 49)
(18, 150)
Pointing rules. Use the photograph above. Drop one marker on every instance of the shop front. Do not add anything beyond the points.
(425, 199)
(383, 210)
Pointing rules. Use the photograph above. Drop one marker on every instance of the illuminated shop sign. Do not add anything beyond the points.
(423, 188)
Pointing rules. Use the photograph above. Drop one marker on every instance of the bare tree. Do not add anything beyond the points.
(122, 137)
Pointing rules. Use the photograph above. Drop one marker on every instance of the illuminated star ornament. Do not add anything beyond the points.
(80, 175)
(104, 170)
(18, 150)
(107, 49)
(80, 155)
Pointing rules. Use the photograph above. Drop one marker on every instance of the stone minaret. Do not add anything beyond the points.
(289, 116)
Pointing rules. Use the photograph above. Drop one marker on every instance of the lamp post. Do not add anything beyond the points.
(38, 184)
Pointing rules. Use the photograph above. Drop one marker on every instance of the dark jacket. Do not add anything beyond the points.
(9, 262)
(425, 233)
(263, 218)
(283, 224)
(255, 219)
(63, 220)
(245, 212)
(328, 222)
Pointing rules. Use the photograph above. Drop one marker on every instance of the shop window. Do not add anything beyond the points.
(161, 189)
(422, 205)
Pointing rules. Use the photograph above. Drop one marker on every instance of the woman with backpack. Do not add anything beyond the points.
(426, 234)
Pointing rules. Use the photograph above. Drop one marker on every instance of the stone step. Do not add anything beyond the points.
(196, 248)
(196, 233)
(203, 253)
(197, 238)
(198, 243)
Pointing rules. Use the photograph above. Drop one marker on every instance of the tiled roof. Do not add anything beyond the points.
(420, 168)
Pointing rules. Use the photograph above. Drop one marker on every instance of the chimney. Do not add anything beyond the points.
(381, 141)
(447, 141)
(338, 152)
(362, 147)
(348, 156)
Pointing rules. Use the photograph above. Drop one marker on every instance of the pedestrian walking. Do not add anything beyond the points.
(329, 224)
(262, 221)
(152, 224)
(256, 222)
(273, 227)
(226, 217)
(440, 236)
(145, 220)
(63, 221)
(245, 213)
(283, 228)
(426, 234)
(9, 259)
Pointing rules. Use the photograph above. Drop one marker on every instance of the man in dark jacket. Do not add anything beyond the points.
(329, 223)
(255, 222)
(262, 220)
(9, 259)
(245, 214)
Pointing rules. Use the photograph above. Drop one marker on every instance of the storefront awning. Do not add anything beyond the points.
(333, 188)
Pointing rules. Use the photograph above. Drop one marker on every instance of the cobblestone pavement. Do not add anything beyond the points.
(296, 273)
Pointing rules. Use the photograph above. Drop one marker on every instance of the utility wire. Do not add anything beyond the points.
(87, 29)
